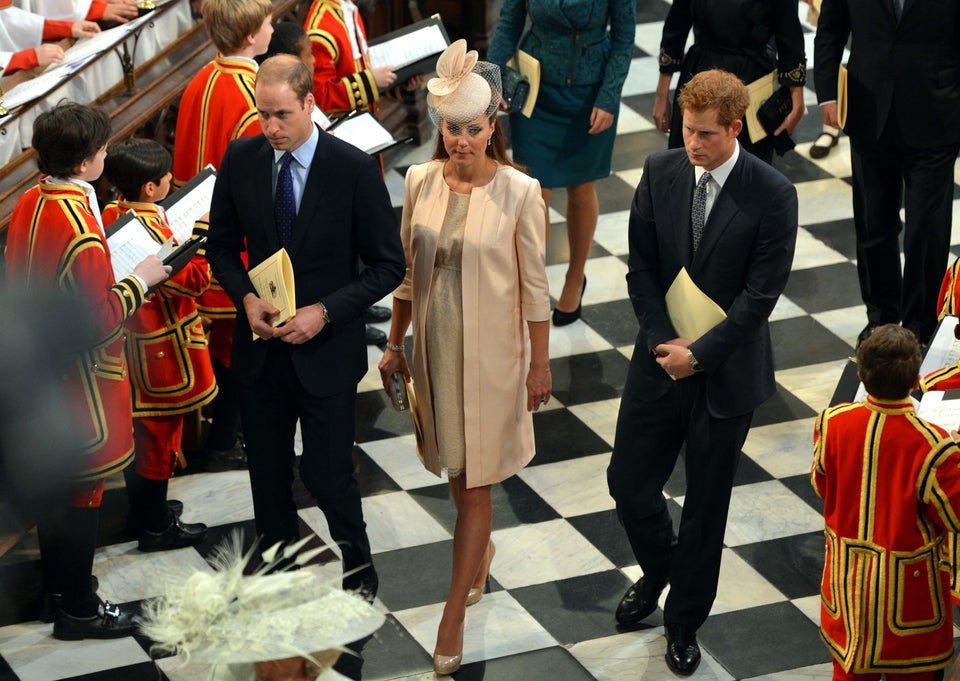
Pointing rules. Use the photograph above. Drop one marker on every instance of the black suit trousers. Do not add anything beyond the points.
(270, 410)
(648, 441)
(887, 173)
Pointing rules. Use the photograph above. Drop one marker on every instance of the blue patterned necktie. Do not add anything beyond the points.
(698, 212)
(284, 202)
(897, 9)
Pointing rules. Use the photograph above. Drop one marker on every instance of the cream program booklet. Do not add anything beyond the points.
(273, 280)
(692, 311)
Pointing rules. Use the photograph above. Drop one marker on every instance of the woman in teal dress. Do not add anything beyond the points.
(584, 48)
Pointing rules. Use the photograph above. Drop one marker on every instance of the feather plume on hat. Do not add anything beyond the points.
(225, 617)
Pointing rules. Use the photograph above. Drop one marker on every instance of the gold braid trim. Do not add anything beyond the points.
(667, 60)
(796, 75)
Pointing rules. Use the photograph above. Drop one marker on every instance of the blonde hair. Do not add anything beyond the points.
(229, 22)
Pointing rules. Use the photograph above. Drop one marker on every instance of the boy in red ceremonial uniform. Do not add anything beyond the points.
(55, 239)
(216, 108)
(343, 79)
(890, 483)
(170, 365)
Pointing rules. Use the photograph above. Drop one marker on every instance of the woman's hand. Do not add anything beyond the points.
(792, 120)
(539, 385)
(392, 362)
(661, 112)
(600, 120)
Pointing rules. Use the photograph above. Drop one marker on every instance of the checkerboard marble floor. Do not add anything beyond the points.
(562, 561)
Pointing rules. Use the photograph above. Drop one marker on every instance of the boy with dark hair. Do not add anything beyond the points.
(890, 483)
(170, 365)
(290, 38)
(56, 239)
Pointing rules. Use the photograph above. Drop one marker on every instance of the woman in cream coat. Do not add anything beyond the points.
(476, 292)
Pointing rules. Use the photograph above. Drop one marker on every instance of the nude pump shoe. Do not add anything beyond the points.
(476, 592)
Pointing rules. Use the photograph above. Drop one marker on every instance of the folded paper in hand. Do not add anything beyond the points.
(273, 281)
(691, 311)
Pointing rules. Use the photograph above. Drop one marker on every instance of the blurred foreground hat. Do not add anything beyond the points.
(464, 88)
(224, 617)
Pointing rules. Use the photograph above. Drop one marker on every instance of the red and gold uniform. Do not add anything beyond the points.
(342, 79)
(171, 370)
(890, 483)
(216, 108)
(948, 302)
(54, 239)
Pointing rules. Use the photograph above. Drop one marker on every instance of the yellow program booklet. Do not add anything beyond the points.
(273, 280)
(691, 311)
(842, 96)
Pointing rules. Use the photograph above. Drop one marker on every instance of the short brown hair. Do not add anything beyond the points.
(67, 135)
(229, 22)
(888, 362)
(285, 68)
(716, 89)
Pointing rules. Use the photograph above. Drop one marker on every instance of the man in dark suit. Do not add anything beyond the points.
(299, 188)
(731, 221)
(903, 104)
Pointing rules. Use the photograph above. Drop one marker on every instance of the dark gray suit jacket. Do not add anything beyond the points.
(742, 263)
(909, 68)
(345, 218)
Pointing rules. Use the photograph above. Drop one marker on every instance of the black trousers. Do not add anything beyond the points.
(648, 442)
(886, 175)
(270, 410)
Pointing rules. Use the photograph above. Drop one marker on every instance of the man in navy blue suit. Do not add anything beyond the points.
(325, 202)
(731, 221)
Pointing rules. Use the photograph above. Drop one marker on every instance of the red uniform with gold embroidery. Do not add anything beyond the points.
(54, 240)
(216, 108)
(342, 81)
(171, 370)
(948, 301)
(890, 483)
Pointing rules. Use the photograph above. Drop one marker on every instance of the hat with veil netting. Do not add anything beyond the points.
(464, 88)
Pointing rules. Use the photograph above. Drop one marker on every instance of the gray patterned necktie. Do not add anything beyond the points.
(698, 212)
(897, 9)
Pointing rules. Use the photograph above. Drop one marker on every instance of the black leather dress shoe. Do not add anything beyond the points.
(375, 336)
(109, 622)
(683, 652)
(639, 602)
(366, 582)
(177, 536)
(377, 314)
(49, 603)
(219, 460)
(865, 334)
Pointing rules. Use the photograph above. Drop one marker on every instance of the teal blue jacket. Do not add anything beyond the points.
(581, 43)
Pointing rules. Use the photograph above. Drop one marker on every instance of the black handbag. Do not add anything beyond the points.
(516, 89)
(771, 115)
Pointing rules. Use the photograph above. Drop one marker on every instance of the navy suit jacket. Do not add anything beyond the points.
(909, 69)
(742, 263)
(345, 218)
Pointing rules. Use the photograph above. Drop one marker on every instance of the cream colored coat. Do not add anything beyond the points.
(504, 286)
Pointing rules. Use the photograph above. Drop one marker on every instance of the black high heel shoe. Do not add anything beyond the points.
(561, 318)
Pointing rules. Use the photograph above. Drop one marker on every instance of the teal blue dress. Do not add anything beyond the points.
(584, 48)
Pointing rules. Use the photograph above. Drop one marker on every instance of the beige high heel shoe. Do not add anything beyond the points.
(445, 665)
(476, 592)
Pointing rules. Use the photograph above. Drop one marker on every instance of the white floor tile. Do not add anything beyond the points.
(767, 510)
(573, 488)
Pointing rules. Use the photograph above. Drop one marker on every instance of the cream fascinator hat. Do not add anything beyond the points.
(464, 88)
(225, 617)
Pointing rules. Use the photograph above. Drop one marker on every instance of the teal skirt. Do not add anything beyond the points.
(553, 143)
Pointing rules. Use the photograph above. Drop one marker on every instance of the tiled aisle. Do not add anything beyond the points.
(562, 561)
